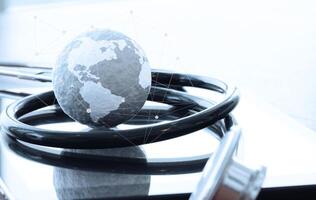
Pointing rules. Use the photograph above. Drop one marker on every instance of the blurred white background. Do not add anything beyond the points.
(267, 48)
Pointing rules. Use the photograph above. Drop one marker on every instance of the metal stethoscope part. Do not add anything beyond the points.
(222, 177)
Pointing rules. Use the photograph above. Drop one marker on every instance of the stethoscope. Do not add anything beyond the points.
(222, 177)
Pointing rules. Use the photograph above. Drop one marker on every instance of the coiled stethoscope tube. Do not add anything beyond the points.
(109, 138)
(222, 177)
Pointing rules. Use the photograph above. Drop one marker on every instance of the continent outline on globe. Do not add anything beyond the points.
(102, 78)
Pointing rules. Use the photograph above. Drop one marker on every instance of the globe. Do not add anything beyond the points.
(102, 78)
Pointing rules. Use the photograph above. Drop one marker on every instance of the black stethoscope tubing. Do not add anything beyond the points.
(115, 164)
(108, 163)
(110, 138)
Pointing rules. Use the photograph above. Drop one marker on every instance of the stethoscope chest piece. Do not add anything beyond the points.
(223, 178)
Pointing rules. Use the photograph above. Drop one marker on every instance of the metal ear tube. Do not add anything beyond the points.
(224, 178)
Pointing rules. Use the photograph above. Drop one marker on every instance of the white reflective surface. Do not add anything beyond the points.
(278, 142)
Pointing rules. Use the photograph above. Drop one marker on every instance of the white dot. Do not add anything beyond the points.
(89, 110)
(156, 117)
